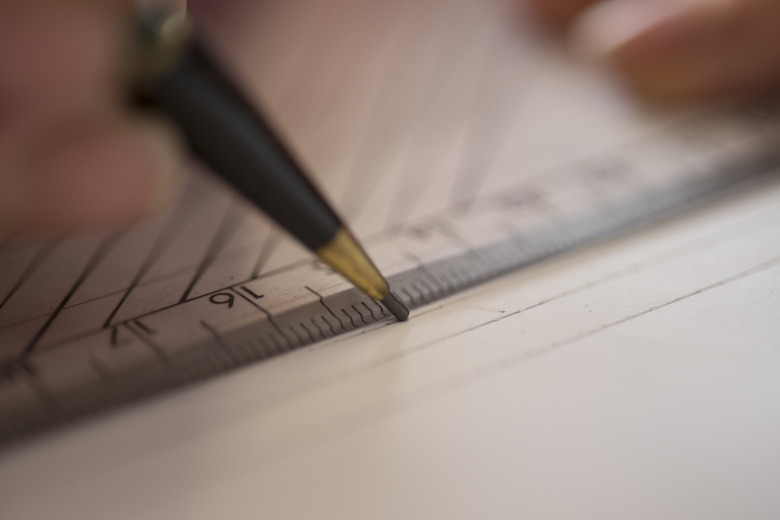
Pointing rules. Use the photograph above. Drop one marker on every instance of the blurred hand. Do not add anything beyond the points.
(71, 154)
(679, 49)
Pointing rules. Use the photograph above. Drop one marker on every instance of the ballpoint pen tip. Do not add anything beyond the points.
(396, 307)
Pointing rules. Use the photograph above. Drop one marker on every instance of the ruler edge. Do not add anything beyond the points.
(203, 361)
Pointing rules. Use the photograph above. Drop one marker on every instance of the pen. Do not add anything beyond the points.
(179, 77)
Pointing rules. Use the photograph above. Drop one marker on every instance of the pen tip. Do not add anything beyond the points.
(396, 307)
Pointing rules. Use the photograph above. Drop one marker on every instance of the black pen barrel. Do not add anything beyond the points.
(231, 135)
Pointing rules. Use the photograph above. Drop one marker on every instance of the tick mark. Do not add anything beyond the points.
(350, 318)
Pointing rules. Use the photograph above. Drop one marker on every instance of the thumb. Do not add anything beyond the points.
(91, 173)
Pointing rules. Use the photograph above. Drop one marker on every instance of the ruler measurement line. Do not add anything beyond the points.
(264, 311)
(644, 206)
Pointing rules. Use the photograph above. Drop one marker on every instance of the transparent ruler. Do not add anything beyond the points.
(249, 320)
(456, 142)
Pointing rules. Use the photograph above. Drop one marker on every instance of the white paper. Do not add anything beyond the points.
(637, 379)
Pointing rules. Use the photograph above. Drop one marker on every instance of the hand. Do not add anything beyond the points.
(71, 155)
(679, 49)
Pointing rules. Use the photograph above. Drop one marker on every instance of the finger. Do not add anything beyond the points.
(559, 13)
(98, 172)
(702, 49)
(57, 56)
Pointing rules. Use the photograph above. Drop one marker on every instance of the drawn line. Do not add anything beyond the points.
(368, 414)
(159, 246)
(33, 266)
(97, 257)
(639, 267)
(516, 360)
(380, 117)
(227, 228)
(405, 200)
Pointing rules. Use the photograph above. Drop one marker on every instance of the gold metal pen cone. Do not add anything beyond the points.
(345, 256)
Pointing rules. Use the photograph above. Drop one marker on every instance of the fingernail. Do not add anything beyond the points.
(609, 25)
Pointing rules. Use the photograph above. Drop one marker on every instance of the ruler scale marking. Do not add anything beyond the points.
(423, 282)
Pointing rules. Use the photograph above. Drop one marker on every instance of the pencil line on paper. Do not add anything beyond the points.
(40, 257)
(368, 414)
(159, 246)
(100, 253)
(231, 221)
(382, 128)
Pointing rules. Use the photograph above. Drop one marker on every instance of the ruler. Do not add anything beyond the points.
(634, 184)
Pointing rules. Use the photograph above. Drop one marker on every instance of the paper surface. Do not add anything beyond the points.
(634, 380)
(637, 379)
